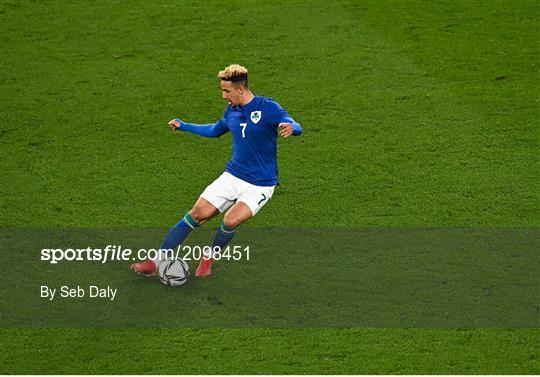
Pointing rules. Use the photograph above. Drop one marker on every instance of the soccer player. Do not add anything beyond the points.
(250, 176)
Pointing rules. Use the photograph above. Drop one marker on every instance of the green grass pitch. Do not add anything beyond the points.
(416, 115)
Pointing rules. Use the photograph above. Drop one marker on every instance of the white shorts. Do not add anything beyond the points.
(228, 189)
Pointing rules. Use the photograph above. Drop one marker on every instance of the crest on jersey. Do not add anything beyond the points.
(256, 116)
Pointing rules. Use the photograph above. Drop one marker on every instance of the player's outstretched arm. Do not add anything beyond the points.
(207, 130)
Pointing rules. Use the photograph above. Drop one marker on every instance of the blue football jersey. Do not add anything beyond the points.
(254, 129)
(254, 133)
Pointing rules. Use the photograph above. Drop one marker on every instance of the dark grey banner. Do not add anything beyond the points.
(363, 277)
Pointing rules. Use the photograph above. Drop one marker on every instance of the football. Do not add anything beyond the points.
(174, 272)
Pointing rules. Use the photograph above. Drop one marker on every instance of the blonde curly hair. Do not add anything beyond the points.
(235, 73)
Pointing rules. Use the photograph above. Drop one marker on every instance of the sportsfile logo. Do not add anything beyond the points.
(88, 254)
(117, 253)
